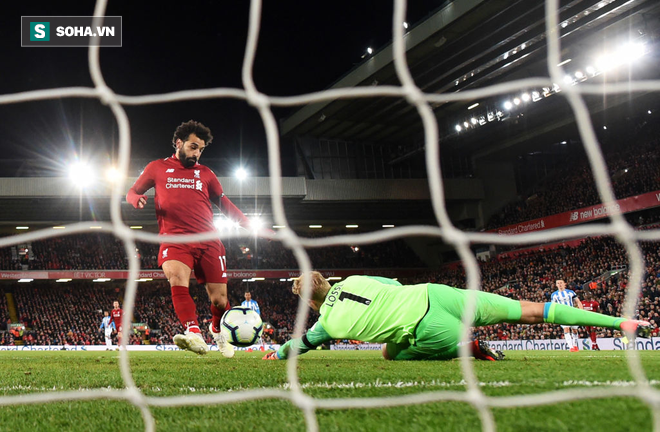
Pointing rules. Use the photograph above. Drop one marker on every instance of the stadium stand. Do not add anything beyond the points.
(634, 170)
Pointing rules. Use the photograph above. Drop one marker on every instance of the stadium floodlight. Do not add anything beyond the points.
(101, 280)
(258, 278)
(579, 75)
(568, 79)
(564, 62)
(405, 25)
(591, 70)
(224, 224)
(474, 105)
(96, 227)
(466, 124)
(516, 101)
(63, 280)
(25, 280)
(316, 226)
(649, 111)
(282, 280)
(525, 97)
(474, 121)
(81, 174)
(388, 226)
(278, 226)
(256, 224)
(605, 127)
(370, 51)
(241, 173)
(351, 226)
(59, 227)
(25, 227)
(458, 128)
(113, 175)
(508, 105)
(135, 227)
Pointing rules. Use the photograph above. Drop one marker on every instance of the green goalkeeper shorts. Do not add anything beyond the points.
(438, 334)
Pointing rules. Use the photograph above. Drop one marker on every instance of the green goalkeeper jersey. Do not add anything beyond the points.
(365, 308)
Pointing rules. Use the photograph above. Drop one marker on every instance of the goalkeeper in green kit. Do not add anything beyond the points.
(424, 321)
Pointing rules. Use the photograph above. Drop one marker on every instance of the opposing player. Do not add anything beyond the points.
(185, 191)
(249, 303)
(107, 326)
(589, 304)
(567, 297)
(116, 315)
(424, 321)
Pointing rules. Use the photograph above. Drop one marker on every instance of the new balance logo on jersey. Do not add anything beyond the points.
(165, 253)
(170, 170)
(196, 173)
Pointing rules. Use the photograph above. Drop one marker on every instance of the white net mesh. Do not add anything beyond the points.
(617, 226)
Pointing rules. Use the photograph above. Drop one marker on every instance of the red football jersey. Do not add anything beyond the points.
(590, 305)
(183, 195)
(116, 317)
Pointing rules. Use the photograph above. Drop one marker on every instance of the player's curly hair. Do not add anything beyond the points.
(320, 286)
(192, 127)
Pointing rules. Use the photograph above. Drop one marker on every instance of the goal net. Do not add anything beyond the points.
(616, 224)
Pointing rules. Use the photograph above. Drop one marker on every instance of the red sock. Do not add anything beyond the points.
(217, 315)
(592, 335)
(184, 306)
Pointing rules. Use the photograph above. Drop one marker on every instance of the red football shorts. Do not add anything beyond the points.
(208, 260)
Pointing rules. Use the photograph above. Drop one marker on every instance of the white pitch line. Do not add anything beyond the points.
(352, 385)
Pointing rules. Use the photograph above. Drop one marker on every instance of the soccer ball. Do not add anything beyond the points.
(241, 326)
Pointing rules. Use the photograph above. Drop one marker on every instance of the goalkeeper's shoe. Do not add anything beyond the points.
(639, 328)
(224, 346)
(481, 351)
(192, 342)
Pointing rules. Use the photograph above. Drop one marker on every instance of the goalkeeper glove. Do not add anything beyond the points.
(271, 356)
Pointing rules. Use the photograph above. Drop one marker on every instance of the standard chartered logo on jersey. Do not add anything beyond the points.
(70, 31)
(183, 183)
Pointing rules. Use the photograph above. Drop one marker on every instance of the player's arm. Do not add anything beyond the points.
(146, 181)
(578, 303)
(258, 308)
(101, 328)
(310, 340)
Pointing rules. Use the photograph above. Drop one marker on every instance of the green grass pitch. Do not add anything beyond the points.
(323, 374)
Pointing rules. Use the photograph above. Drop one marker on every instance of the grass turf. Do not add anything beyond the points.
(323, 374)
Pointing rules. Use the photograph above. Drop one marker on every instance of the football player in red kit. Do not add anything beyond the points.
(185, 191)
(116, 315)
(589, 304)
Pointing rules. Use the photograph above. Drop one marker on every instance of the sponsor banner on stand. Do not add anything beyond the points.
(146, 275)
(585, 214)
(270, 347)
(584, 344)
(354, 347)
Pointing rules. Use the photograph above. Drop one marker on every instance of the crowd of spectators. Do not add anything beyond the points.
(633, 170)
(106, 252)
(598, 265)
(71, 313)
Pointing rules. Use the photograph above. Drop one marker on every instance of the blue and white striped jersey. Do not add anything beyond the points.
(563, 297)
(107, 323)
(251, 305)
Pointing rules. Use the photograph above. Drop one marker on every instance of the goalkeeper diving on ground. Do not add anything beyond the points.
(424, 321)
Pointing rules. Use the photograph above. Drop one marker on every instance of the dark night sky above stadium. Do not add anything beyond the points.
(304, 46)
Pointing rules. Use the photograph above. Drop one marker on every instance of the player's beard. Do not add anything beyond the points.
(186, 161)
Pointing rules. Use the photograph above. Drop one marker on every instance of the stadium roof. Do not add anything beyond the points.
(470, 44)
